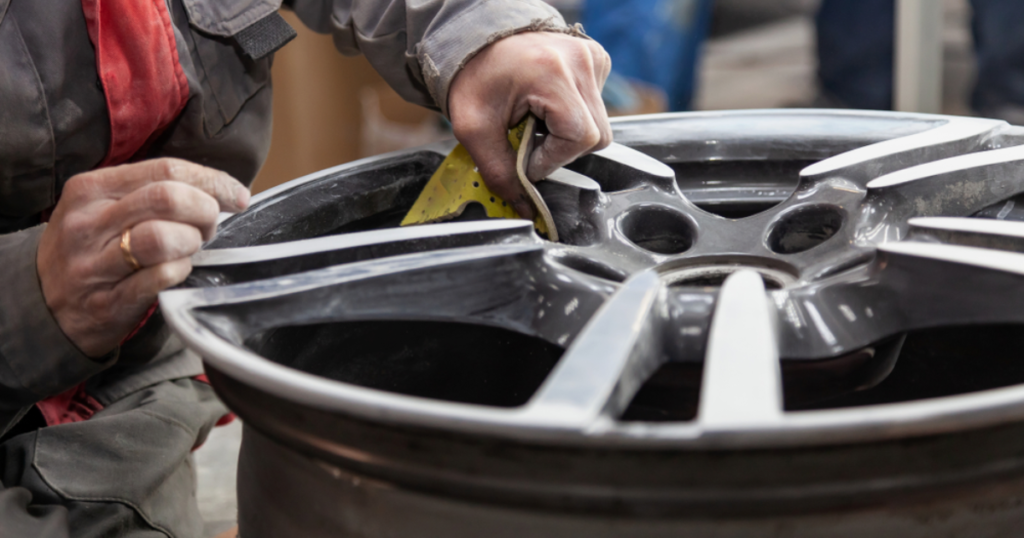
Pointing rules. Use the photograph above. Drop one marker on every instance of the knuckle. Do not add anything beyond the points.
(585, 62)
(163, 169)
(172, 273)
(209, 209)
(221, 181)
(168, 168)
(206, 180)
(591, 137)
(174, 242)
(600, 56)
(468, 127)
(164, 274)
(546, 57)
(75, 185)
(75, 223)
(191, 242)
(80, 186)
(162, 197)
(154, 244)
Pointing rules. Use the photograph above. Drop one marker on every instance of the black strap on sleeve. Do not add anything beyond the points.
(265, 36)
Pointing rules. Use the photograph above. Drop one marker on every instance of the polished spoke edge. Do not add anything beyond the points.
(608, 361)
(742, 382)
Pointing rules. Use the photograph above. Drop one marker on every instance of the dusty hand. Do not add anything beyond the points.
(556, 77)
(169, 205)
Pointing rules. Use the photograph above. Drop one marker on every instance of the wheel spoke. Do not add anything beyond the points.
(635, 159)
(573, 179)
(229, 265)
(494, 283)
(956, 136)
(943, 285)
(958, 186)
(620, 167)
(613, 355)
(984, 233)
(952, 272)
(742, 382)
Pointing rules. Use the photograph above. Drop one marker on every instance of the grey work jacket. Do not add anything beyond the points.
(54, 124)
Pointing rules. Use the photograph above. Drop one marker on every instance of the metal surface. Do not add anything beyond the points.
(428, 358)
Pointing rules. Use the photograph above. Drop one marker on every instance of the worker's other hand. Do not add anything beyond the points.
(169, 205)
(555, 76)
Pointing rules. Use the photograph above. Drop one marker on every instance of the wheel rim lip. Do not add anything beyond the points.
(795, 429)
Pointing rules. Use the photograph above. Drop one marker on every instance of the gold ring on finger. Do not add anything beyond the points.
(126, 250)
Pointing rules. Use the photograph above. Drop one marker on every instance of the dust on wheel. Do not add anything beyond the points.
(759, 323)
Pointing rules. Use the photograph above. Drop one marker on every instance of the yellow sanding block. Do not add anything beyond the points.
(457, 183)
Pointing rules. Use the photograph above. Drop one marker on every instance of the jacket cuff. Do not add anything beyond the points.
(32, 344)
(444, 52)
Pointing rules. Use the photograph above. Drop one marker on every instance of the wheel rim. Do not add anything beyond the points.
(858, 250)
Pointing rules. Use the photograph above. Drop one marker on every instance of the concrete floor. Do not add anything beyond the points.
(765, 66)
(216, 463)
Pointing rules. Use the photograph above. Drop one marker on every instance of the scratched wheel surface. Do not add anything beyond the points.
(732, 290)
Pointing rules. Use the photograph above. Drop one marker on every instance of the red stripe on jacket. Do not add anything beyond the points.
(146, 89)
(137, 61)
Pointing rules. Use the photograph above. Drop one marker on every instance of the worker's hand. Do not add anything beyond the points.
(169, 205)
(555, 76)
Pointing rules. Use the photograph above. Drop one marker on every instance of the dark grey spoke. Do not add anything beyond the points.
(619, 167)
(494, 285)
(959, 186)
(611, 358)
(632, 158)
(573, 179)
(984, 233)
(911, 285)
(742, 383)
(938, 284)
(229, 265)
(956, 136)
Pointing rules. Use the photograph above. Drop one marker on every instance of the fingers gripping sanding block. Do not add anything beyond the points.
(458, 183)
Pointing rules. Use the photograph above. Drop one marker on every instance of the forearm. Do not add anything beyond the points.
(419, 49)
(36, 359)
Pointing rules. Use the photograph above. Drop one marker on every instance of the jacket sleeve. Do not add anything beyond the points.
(36, 359)
(419, 46)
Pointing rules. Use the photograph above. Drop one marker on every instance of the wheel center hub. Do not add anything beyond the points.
(712, 272)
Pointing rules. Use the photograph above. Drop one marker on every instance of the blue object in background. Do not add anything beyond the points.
(855, 52)
(656, 41)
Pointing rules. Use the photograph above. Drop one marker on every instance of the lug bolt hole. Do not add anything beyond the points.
(804, 229)
(658, 230)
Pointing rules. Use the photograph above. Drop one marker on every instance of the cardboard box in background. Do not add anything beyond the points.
(330, 109)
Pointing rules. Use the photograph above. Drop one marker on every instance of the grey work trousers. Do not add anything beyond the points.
(125, 472)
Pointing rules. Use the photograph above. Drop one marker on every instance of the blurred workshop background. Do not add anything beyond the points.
(668, 55)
